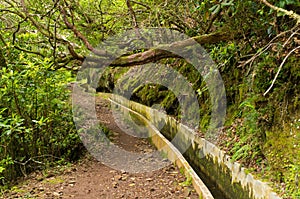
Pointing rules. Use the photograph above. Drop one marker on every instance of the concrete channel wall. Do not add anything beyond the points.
(228, 176)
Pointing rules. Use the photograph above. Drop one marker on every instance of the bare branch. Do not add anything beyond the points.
(265, 48)
(290, 37)
(290, 13)
(17, 30)
(28, 51)
(134, 21)
(212, 20)
(280, 67)
(2, 60)
(2, 40)
(141, 4)
(45, 31)
(81, 36)
(132, 13)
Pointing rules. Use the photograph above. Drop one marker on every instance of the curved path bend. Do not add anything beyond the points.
(89, 179)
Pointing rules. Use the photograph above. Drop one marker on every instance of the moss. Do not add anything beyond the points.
(17, 190)
(283, 155)
(216, 175)
(54, 181)
(245, 135)
(109, 78)
(188, 181)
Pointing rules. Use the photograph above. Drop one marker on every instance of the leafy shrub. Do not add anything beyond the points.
(36, 123)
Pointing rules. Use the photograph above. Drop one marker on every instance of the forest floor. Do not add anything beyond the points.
(90, 179)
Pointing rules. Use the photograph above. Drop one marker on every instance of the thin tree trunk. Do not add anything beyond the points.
(2, 59)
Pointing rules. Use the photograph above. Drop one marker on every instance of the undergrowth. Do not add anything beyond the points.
(36, 124)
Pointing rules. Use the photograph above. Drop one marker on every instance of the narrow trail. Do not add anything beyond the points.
(89, 179)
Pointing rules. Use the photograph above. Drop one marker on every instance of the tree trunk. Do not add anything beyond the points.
(2, 60)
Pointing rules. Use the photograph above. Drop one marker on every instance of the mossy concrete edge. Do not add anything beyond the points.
(163, 145)
(229, 176)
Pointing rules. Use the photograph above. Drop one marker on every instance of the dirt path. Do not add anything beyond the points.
(89, 179)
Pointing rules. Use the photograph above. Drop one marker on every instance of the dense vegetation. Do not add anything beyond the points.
(43, 44)
(36, 120)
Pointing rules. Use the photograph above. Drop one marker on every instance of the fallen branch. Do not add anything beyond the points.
(32, 159)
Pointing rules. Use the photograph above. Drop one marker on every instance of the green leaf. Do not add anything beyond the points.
(2, 169)
(4, 125)
(215, 9)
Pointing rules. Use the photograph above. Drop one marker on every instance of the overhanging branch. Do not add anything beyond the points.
(155, 54)
(79, 35)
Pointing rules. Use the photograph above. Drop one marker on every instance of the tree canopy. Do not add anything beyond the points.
(67, 30)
